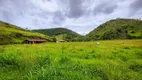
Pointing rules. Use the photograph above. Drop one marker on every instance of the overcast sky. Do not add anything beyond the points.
(81, 16)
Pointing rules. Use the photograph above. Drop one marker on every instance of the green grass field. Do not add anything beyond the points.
(111, 60)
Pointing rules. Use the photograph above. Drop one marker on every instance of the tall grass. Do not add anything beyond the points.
(111, 60)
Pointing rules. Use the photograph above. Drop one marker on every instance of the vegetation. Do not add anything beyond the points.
(60, 34)
(117, 29)
(111, 60)
(113, 29)
(12, 34)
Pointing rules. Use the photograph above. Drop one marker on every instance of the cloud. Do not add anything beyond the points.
(105, 7)
(81, 16)
(75, 8)
(58, 18)
(137, 4)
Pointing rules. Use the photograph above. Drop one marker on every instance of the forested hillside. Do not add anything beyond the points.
(117, 29)
(60, 33)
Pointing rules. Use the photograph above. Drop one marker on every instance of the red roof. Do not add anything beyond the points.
(36, 40)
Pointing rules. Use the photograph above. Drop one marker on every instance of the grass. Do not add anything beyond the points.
(111, 60)
(8, 31)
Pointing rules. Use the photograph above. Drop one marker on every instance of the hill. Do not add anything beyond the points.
(12, 34)
(117, 29)
(60, 33)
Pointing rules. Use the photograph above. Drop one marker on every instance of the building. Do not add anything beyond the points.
(34, 41)
(59, 41)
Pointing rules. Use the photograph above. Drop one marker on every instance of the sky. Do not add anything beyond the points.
(81, 16)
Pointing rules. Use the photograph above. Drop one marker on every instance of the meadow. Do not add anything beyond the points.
(111, 60)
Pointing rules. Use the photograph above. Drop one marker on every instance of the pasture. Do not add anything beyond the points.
(110, 60)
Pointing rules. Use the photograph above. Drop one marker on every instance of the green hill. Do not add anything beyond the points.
(12, 34)
(117, 29)
(60, 33)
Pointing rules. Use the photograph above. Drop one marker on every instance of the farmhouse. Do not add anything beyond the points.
(34, 41)
(60, 41)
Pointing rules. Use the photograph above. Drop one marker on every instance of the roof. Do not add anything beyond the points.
(60, 40)
(36, 40)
